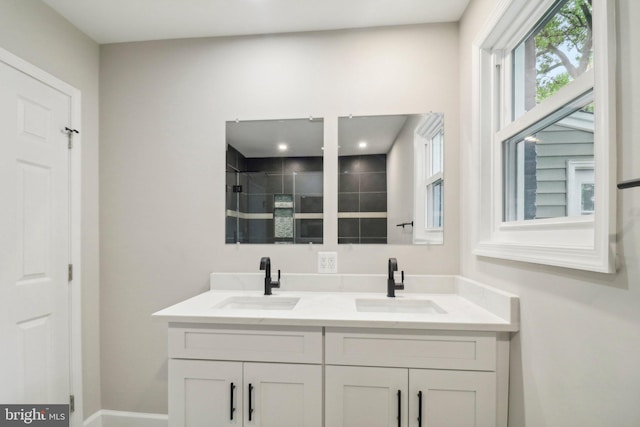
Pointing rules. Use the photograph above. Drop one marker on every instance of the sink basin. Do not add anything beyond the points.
(398, 306)
(258, 303)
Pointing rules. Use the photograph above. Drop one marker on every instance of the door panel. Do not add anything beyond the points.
(201, 393)
(284, 395)
(365, 397)
(34, 249)
(453, 398)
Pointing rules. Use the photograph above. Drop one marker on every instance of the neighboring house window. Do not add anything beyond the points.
(580, 187)
(429, 185)
(546, 129)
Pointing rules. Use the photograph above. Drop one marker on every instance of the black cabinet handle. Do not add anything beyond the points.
(399, 408)
(250, 403)
(420, 408)
(231, 407)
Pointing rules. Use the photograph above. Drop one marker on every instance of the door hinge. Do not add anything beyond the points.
(70, 133)
(70, 273)
(72, 403)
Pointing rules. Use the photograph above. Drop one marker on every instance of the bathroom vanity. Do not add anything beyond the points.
(335, 351)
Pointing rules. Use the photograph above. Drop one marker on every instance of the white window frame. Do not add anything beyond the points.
(427, 129)
(584, 242)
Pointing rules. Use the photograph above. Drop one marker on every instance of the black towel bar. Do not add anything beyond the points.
(628, 184)
(405, 223)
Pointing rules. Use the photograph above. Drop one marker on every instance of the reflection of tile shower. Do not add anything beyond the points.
(362, 199)
(283, 218)
(277, 199)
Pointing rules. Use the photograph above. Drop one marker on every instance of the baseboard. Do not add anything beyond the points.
(109, 418)
(95, 420)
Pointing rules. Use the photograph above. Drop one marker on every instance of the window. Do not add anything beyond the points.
(433, 182)
(536, 162)
(429, 176)
(558, 50)
(546, 133)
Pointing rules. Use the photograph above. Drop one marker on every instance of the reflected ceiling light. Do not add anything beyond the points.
(362, 144)
(282, 146)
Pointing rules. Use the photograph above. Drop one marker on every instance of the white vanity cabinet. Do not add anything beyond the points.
(209, 393)
(223, 376)
(382, 378)
(340, 366)
(389, 397)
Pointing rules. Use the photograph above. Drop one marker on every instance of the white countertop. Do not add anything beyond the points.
(467, 305)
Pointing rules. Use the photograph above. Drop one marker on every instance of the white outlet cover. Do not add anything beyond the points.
(327, 262)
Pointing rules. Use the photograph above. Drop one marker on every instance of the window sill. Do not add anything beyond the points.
(581, 258)
(430, 237)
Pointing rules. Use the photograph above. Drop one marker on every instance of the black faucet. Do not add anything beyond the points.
(265, 264)
(391, 282)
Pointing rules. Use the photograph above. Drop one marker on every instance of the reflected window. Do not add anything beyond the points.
(429, 179)
(434, 182)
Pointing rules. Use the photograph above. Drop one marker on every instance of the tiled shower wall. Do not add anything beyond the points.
(362, 199)
(261, 179)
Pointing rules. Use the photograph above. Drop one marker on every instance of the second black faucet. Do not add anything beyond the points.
(392, 286)
(265, 264)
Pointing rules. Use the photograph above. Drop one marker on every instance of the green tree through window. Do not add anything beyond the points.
(564, 47)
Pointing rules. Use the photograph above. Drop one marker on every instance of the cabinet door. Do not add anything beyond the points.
(283, 395)
(201, 394)
(452, 398)
(365, 397)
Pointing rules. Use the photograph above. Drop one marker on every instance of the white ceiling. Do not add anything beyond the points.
(304, 137)
(378, 132)
(260, 138)
(115, 21)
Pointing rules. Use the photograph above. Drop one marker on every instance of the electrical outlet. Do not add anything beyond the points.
(327, 262)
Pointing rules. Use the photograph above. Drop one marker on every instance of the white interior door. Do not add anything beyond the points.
(34, 240)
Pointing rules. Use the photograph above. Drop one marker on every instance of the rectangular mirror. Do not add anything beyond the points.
(274, 181)
(391, 179)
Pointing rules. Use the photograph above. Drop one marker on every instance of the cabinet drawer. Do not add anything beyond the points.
(411, 349)
(265, 344)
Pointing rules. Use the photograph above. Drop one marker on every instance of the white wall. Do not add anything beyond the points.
(34, 32)
(163, 108)
(575, 361)
(400, 184)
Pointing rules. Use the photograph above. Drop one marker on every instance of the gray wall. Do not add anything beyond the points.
(162, 167)
(37, 34)
(575, 360)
